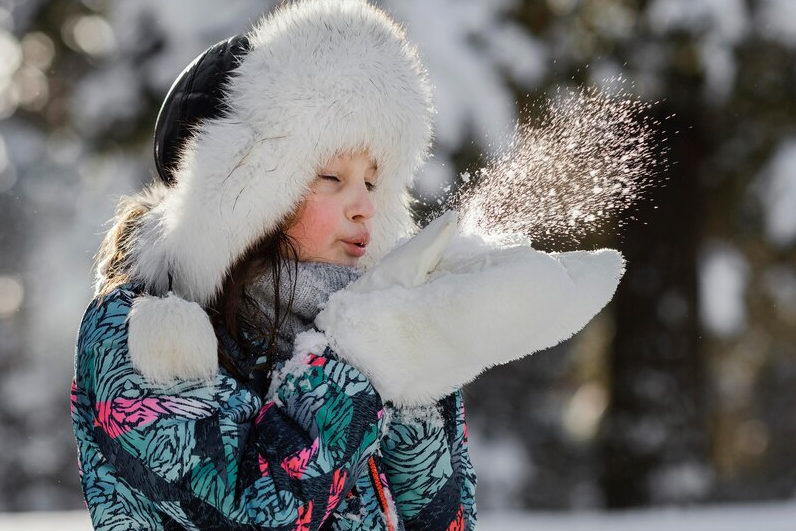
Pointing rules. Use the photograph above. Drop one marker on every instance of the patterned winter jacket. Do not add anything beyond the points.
(321, 455)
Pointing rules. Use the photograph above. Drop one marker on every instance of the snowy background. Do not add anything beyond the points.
(681, 394)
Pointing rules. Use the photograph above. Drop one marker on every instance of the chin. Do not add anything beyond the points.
(345, 260)
(351, 261)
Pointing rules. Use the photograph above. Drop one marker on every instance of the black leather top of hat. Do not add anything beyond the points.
(196, 95)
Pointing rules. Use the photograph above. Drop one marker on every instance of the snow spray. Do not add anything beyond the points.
(590, 157)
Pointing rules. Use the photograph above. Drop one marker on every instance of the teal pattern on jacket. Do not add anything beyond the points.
(216, 455)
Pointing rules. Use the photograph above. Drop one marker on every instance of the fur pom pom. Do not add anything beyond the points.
(171, 338)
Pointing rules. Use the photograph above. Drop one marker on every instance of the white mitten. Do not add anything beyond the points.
(486, 303)
(409, 264)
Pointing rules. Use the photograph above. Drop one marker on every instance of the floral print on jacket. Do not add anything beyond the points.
(323, 454)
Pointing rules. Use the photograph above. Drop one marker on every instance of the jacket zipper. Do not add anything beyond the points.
(374, 478)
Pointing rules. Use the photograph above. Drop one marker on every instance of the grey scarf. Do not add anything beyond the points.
(315, 281)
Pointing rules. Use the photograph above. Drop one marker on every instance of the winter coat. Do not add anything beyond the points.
(323, 453)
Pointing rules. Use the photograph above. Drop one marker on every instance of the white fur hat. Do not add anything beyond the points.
(320, 77)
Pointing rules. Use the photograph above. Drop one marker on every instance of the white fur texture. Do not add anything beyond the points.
(410, 263)
(323, 76)
(171, 338)
(418, 344)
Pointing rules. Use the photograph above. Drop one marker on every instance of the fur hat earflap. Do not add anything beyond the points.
(168, 337)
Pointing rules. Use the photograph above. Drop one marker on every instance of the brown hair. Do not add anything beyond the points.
(233, 309)
(237, 312)
(113, 260)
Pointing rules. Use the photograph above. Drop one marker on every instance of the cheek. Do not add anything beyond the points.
(316, 225)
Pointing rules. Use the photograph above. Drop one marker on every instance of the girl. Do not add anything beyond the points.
(285, 156)
(253, 358)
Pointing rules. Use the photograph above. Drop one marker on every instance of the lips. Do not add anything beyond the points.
(361, 240)
(356, 245)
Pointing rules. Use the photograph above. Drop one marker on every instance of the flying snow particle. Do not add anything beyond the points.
(590, 157)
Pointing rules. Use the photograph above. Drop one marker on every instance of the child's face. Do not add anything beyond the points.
(333, 223)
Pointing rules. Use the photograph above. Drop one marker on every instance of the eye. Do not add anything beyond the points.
(329, 178)
(370, 186)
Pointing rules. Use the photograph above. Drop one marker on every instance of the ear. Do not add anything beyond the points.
(170, 338)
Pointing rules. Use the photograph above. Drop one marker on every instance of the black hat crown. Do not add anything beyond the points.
(198, 94)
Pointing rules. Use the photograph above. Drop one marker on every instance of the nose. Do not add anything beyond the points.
(361, 207)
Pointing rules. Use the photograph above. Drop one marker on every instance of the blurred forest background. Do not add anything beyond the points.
(683, 391)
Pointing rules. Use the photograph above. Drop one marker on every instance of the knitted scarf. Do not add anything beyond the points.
(315, 282)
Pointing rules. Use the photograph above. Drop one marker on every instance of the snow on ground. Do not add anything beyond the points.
(768, 516)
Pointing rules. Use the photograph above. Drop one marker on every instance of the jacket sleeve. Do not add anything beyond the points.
(427, 463)
(214, 454)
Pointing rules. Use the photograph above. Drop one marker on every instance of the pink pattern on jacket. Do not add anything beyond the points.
(121, 415)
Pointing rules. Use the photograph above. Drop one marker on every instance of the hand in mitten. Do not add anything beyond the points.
(483, 303)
